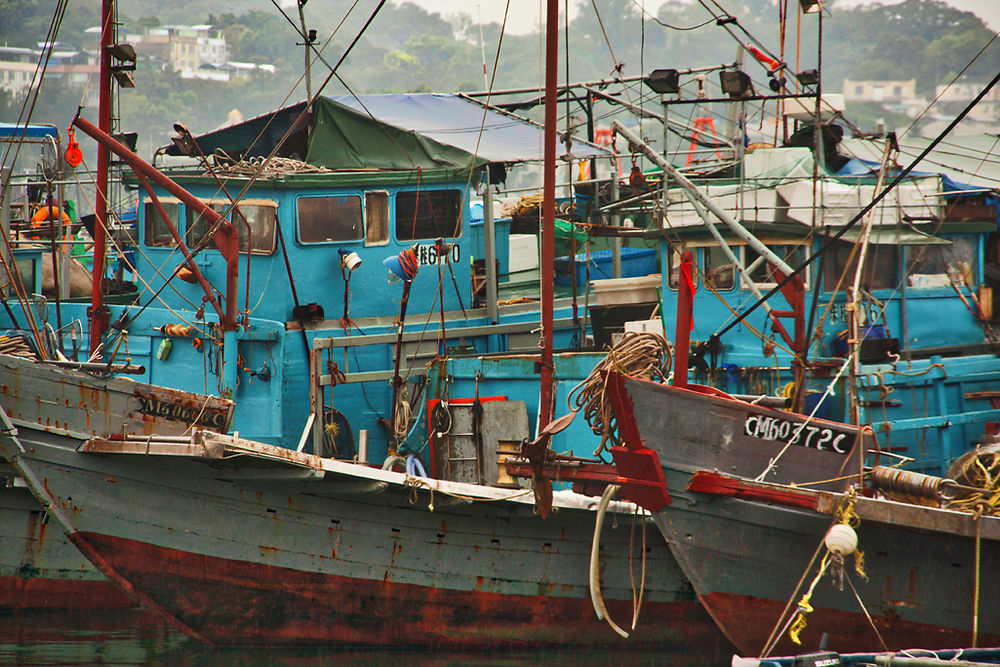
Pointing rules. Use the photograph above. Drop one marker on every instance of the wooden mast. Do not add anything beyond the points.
(548, 210)
(98, 312)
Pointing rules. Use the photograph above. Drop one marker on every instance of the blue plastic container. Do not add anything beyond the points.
(635, 262)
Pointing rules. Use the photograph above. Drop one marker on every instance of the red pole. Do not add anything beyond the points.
(548, 209)
(685, 320)
(99, 315)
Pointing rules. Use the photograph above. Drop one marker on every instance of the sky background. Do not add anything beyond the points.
(525, 13)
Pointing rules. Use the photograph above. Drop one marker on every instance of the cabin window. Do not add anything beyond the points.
(156, 232)
(674, 268)
(376, 218)
(330, 219)
(255, 225)
(259, 227)
(428, 214)
(879, 272)
(761, 271)
(719, 270)
(941, 265)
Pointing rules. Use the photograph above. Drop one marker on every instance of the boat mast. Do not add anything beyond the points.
(99, 316)
(548, 209)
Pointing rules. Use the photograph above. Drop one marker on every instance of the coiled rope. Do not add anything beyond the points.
(642, 355)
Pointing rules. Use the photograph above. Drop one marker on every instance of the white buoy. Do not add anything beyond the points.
(841, 539)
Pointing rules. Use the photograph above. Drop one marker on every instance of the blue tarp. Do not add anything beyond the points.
(859, 167)
(14, 132)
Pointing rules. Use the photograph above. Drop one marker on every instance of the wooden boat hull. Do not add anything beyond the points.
(744, 545)
(274, 547)
(40, 568)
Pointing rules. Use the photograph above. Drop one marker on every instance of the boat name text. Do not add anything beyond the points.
(185, 413)
(804, 435)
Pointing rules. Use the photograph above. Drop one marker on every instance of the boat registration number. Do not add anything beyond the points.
(784, 430)
(202, 416)
(427, 255)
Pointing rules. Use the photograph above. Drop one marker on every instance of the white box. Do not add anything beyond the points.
(523, 253)
(654, 326)
(641, 289)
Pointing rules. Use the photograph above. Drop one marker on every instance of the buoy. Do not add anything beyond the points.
(841, 539)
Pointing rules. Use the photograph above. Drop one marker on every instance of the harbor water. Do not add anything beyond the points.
(131, 637)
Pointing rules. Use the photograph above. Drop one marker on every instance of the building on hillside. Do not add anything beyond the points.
(960, 93)
(227, 72)
(17, 68)
(64, 63)
(900, 96)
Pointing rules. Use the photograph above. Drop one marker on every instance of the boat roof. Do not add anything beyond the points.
(15, 132)
(399, 131)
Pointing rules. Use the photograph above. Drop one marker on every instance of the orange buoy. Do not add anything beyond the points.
(40, 221)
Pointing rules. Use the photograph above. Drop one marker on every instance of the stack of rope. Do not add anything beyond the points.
(979, 468)
(17, 346)
(642, 355)
(276, 166)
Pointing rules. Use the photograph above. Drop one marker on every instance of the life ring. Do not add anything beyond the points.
(42, 215)
(40, 222)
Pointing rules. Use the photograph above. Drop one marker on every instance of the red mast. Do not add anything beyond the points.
(98, 312)
(548, 209)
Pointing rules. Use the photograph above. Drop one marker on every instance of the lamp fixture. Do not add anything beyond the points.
(808, 77)
(123, 73)
(811, 6)
(736, 84)
(349, 259)
(663, 81)
(403, 266)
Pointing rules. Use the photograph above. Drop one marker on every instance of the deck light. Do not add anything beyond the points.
(736, 83)
(808, 77)
(403, 266)
(184, 141)
(123, 72)
(349, 259)
(663, 81)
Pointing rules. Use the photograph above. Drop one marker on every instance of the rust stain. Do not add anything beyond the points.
(110, 480)
(396, 549)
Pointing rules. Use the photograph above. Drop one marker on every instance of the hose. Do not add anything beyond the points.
(595, 584)
(414, 467)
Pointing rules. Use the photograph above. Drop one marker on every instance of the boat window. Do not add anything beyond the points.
(880, 269)
(674, 268)
(763, 274)
(720, 272)
(257, 225)
(941, 265)
(428, 214)
(259, 218)
(376, 218)
(156, 233)
(330, 219)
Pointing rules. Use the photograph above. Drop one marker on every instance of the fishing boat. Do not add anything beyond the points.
(312, 520)
(766, 507)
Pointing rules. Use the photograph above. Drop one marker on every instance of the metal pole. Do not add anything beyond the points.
(548, 211)
(490, 250)
(616, 243)
(99, 315)
(6, 192)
